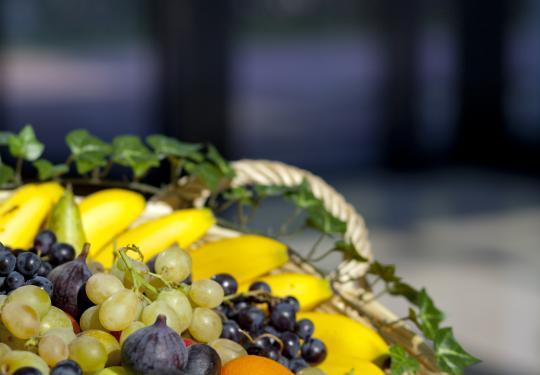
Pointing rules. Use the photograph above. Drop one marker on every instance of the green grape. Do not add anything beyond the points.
(4, 349)
(55, 318)
(114, 370)
(90, 319)
(101, 286)
(119, 310)
(89, 353)
(20, 319)
(65, 334)
(118, 270)
(16, 359)
(32, 296)
(53, 349)
(132, 328)
(141, 304)
(9, 338)
(109, 342)
(205, 325)
(151, 312)
(227, 349)
(173, 264)
(179, 303)
(206, 293)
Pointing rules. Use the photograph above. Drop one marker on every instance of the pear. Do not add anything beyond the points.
(65, 221)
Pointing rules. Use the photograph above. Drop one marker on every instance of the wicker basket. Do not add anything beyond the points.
(346, 300)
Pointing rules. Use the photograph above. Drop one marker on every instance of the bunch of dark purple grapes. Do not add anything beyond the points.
(276, 334)
(20, 267)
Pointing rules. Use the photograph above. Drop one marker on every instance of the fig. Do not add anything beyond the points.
(67, 280)
(156, 349)
(202, 360)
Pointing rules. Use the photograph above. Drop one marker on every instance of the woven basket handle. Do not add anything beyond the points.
(265, 172)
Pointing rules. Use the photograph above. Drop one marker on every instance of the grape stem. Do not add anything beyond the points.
(136, 275)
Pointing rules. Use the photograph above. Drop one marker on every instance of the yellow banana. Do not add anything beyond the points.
(107, 213)
(22, 214)
(343, 366)
(309, 290)
(244, 257)
(346, 338)
(182, 227)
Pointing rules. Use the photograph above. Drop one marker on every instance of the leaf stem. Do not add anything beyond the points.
(18, 170)
(315, 246)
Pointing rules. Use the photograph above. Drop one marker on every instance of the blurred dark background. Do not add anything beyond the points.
(426, 114)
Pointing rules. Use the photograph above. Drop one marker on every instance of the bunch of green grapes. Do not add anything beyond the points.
(123, 300)
(131, 297)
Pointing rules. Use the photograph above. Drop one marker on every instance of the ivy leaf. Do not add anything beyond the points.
(402, 362)
(429, 316)
(47, 170)
(302, 196)
(25, 145)
(399, 288)
(264, 191)
(6, 174)
(207, 172)
(167, 146)
(239, 194)
(349, 251)
(323, 221)
(4, 136)
(222, 164)
(129, 151)
(450, 356)
(412, 316)
(88, 151)
(386, 272)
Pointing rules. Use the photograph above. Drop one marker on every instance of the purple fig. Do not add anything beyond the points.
(202, 360)
(156, 349)
(67, 280)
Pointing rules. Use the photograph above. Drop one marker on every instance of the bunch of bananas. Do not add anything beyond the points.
(106, 220)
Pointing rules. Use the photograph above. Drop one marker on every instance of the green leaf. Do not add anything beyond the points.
(323, 221)
(167, 146)
(4, 136)
(222, 164)
(386, 272)
(6, 174)
(264, 191)
(302, 196)
(399, 288)
(402, 362)
(429, 316)
(88, 151)
(450, 356)
(349, 251)
(129, 151)
(47, 170)
(239, 194)
(25, 145)
(208, 173)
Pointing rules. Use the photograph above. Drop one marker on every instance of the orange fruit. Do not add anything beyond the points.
(254, 365)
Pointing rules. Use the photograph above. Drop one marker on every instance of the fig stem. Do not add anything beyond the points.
(161, 321)
(85, 250)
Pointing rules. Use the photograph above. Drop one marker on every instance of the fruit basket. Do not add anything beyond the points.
(347, 298)
(197, 294)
